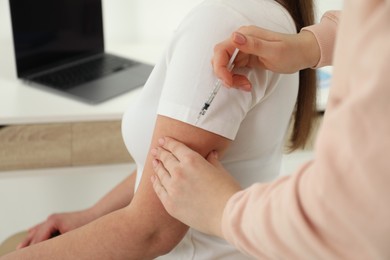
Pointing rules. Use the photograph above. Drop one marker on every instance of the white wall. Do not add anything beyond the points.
(125, 21)
(151, 20)
(155, 20)
(325, 5)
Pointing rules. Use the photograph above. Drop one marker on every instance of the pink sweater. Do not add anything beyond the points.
(338, 205)
(325, 33)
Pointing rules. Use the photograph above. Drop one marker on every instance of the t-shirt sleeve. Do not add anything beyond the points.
(189, 79)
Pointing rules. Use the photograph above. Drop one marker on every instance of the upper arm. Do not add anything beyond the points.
(182, 82)
(152, 219)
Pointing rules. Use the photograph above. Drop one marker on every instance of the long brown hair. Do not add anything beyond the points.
(302, 11)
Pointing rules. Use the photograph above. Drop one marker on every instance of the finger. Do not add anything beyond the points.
(43, 234)
(223, 74)
(256, 41)
(256, 32)
(252, 45)
(162, 174)
(241, 82)
(25, 242)
(166, 158)
(29, 237)
(178, 149)
(222, 54)
(159, 189)
(213, 159)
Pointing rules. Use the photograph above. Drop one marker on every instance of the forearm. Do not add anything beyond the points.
(269, 222)
(119, 197)
(114, 236)
(337, 206)
(141, 230)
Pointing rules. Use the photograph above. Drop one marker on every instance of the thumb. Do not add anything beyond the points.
(258, 41)
(213, 159)
(248, 44)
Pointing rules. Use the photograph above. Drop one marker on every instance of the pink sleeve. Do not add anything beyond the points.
(337, 206)
(325, 33)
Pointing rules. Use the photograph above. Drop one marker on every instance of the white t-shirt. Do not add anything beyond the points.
(183, 79)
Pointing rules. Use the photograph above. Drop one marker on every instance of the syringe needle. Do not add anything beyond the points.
(216, 88)
(197, 119)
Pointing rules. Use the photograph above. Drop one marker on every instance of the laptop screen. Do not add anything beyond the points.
(48, 33)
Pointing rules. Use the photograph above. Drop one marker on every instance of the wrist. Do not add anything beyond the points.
(310, 50)
(218, 222)
(93, 213)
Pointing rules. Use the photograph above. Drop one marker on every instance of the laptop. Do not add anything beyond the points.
(59, 46)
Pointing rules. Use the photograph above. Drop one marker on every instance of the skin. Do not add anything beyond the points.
(85, 229)
(195, 190)
(261, 48)
(141, 230)
(191, 188)
(60, 223)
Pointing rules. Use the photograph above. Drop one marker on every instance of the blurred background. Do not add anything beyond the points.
(29, 196)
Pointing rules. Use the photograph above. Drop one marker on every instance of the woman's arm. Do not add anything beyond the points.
(60, 223)
(117, 198)
(312, 47)
(335, 207)
(191, 189)
(142, 230)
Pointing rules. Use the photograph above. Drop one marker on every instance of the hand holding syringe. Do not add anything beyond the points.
(217, 86)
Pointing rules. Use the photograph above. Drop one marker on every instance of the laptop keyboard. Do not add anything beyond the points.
(87, 71)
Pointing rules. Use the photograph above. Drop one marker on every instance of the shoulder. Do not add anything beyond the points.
(231, 14)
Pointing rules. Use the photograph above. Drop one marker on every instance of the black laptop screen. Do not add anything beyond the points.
(47, 33)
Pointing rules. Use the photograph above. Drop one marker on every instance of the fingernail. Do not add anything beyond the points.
(153, 152)
(239, 38)
(161, 141)
(215, 154)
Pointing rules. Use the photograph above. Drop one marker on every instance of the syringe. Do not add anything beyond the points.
(217, 86)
